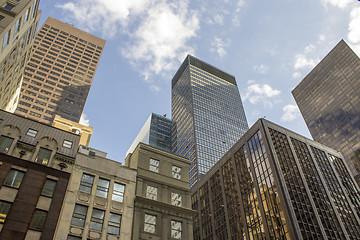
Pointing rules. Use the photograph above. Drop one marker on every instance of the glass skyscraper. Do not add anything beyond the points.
(207, 113)
(156, 132)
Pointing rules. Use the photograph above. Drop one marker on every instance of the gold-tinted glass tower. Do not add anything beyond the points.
(59, 73)
(18, 22)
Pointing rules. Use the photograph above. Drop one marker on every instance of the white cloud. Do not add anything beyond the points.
(262, 68)
(309, 48)
(296, 75)
(84, 120)
(159, 30)
(301, 61)
(219, 19)
(337, 3)
(257, 92)
(291, 112)
(354, 26)
(154, 88)
(219, 45)
(236, 15)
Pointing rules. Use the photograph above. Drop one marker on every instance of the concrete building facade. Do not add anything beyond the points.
(18, 23)
(59, 74)
(328, 98)
(36, 161)
(276, 184)
(207, 113)
(162, 208)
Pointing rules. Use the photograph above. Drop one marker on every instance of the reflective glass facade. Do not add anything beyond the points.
(328, 98)
(275, 184)
(207, 113)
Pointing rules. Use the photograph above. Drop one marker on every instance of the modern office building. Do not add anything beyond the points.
(162, 208)
(276, 184)
(156, 132)
(18, 23)
(328, 98)
(35, 165)
(99, 202)
(60, 71)
(207, 113)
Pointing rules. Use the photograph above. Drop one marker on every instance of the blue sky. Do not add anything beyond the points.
(269, 46)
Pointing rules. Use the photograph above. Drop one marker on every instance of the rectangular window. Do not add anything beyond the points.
(73, 238)
(150, 223)
(49, 188)
(151, 192)
(102, 188)
(6, 38)
(17, 25)
(118, 192)
(86, 183)
(79, 215)
(97, 219)
(67, 144)
(176, 172)
(176, 199)
(26, 17)
(38, 220)
(31, 132)
(4, 210)
(175, 229)
(154, 165)
(114, 224)
(5, 143)
(43, 156)
(8, 6)
(14, 178)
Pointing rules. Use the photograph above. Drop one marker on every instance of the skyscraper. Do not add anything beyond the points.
(59, 73)
(207, 113)
(276, 184)
(18, 22)
(328, 98)
(156, 132)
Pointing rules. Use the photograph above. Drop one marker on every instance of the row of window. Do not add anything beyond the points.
(102, 189)
(152, 192)
(150, 226)
(97, 219)
(154, 167)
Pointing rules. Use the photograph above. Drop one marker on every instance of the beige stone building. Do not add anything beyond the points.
(99, 201)
(85, 132)
(162, 200)
(18, 22)
(58, 76)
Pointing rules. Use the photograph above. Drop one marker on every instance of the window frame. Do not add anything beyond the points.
(175, 230)
(43, 152)
(51, 194)
(154, 167)
(41, 218)
(67, 144)
(102, 189)
(149, 224)
(86, 184)
(151, 195)
(117, 193)
(113, 224)
(4, 210)
(79, 215)
(174, 172)
(96, 220)
(5, 147)
(31, 132)
(17, 173)
(174, 201)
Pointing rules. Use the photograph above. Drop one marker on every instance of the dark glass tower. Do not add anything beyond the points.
(329, 100)
(207, 113)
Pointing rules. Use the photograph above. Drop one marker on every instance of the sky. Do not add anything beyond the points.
(269, 46)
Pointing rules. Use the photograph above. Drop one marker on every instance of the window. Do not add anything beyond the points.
(14, 178)
(5, 143)
(67, 144)
(86, 183)
(114, 224)
(4, 210)
(118, 192)
(176, 199)
(26, 15)
(17, 25)
(9, 6)
(154, 165)
(97, 219)
(176, 172)
(31, 132)
(102, 188)
(6, 38)
(151, 192)
(175, 229)
(38, 220)
(73, 238)
(49, 188)
(150, 223)
(79, 215)
(43, 156)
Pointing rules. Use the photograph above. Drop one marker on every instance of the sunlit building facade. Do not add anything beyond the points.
(207, 113)
(328, 98)
(276, 184)
(60, 72)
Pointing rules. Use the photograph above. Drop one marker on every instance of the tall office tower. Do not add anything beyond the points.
(328, 98)
(276, 184)
(59, 73)
(18, 22)
(207, 113)
(156, 132)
